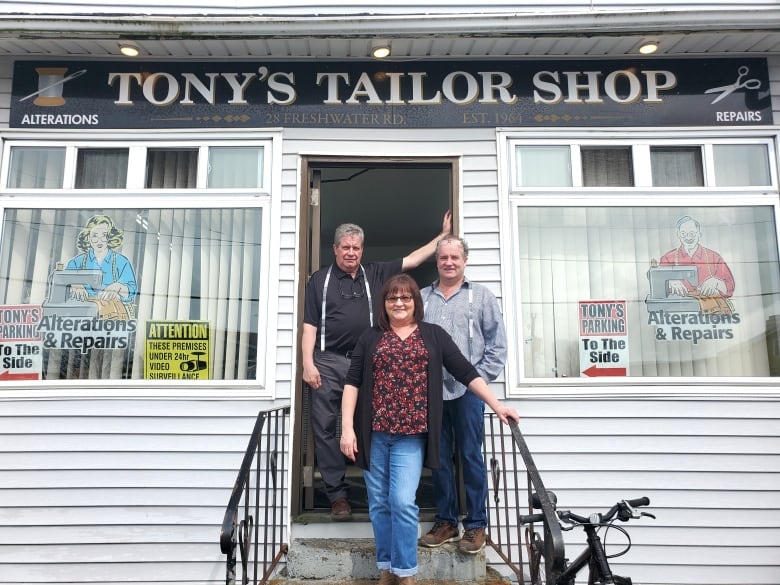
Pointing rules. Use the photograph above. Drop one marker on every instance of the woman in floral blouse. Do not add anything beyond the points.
(391, 418)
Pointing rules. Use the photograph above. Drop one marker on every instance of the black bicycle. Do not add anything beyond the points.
(556, 568)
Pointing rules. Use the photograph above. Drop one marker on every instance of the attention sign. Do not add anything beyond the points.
(177, 350)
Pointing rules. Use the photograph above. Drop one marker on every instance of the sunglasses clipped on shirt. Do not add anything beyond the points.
(351, 288)
(403, 298)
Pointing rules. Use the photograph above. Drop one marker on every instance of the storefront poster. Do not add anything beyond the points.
(20, 342)
(90, 297)
(177, 350)
(603, 338)
(690, 290)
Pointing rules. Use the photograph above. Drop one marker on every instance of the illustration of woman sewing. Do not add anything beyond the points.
(98, 242)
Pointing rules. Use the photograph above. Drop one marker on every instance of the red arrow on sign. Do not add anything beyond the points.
(9, 376)
(593, 372)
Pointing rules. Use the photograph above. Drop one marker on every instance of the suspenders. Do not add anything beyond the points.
(325, 296)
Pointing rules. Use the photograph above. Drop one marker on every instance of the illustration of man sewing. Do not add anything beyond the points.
(97, 282)
(691, 277)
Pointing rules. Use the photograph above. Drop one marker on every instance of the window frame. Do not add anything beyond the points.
(136, 196)
(514, 198)
(136, 162)
(640, 155)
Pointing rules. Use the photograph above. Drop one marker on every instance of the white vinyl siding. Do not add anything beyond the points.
(104, 489)
(711, 469)
(117, 490)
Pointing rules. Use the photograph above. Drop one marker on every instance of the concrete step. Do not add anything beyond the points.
(353, 560)
(491, 578)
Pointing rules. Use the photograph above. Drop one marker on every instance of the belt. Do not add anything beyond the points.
(347, 354)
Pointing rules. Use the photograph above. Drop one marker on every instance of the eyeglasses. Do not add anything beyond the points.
(403, 298)
(353, 289)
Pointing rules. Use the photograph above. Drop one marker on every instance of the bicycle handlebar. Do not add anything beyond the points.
(531, 518)
(624, 510)
(637, 502)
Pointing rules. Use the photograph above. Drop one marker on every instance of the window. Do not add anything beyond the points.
(741, 164)
(235, 167)
(607, 167)
(614, 165)
(101, 168)
(100, 274)
(677, 166)
(172, 167)
(640, 256)
(169, 168)
(678, 277)
(148, 287)
(36, 167)
(544, 166)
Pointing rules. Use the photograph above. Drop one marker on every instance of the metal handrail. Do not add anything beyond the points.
(259, 489)
(240, 527)
(554, 554)
(501, 518)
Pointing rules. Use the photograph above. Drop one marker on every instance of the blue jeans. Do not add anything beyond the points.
(463, 425)
(396, 466)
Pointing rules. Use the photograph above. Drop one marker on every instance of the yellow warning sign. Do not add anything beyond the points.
(177, 350)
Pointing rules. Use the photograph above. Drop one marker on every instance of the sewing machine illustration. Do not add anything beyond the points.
(59, 301)
(660, 298)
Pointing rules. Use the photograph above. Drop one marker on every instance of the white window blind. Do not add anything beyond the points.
(104, 168)
(569, 254)
(190, 264)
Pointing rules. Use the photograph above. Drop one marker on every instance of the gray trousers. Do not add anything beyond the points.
(325, 413)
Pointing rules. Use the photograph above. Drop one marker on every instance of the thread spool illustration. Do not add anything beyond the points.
(50, 86)
(50, 81)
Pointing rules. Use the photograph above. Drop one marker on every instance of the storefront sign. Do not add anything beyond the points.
(434, 94)
(177, 350)
(20, 342)
(603, 338)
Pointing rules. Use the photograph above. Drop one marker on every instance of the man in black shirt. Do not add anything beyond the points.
(340, 303)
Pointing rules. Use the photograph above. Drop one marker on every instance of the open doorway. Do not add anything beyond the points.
(399, 203)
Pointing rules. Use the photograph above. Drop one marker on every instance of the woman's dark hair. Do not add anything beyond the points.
(398, 285)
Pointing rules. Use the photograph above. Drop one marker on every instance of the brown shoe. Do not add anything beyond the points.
(440, 533)
(340, 510)
(387, 578)
(407, 580)
(473, 541)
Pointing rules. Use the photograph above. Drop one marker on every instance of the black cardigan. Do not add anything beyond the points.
(442, 351)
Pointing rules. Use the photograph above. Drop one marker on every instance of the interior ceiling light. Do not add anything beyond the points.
(380, 52)
(128, 50)
(649, 47)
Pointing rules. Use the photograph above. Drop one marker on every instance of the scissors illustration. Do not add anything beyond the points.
(726, 90)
